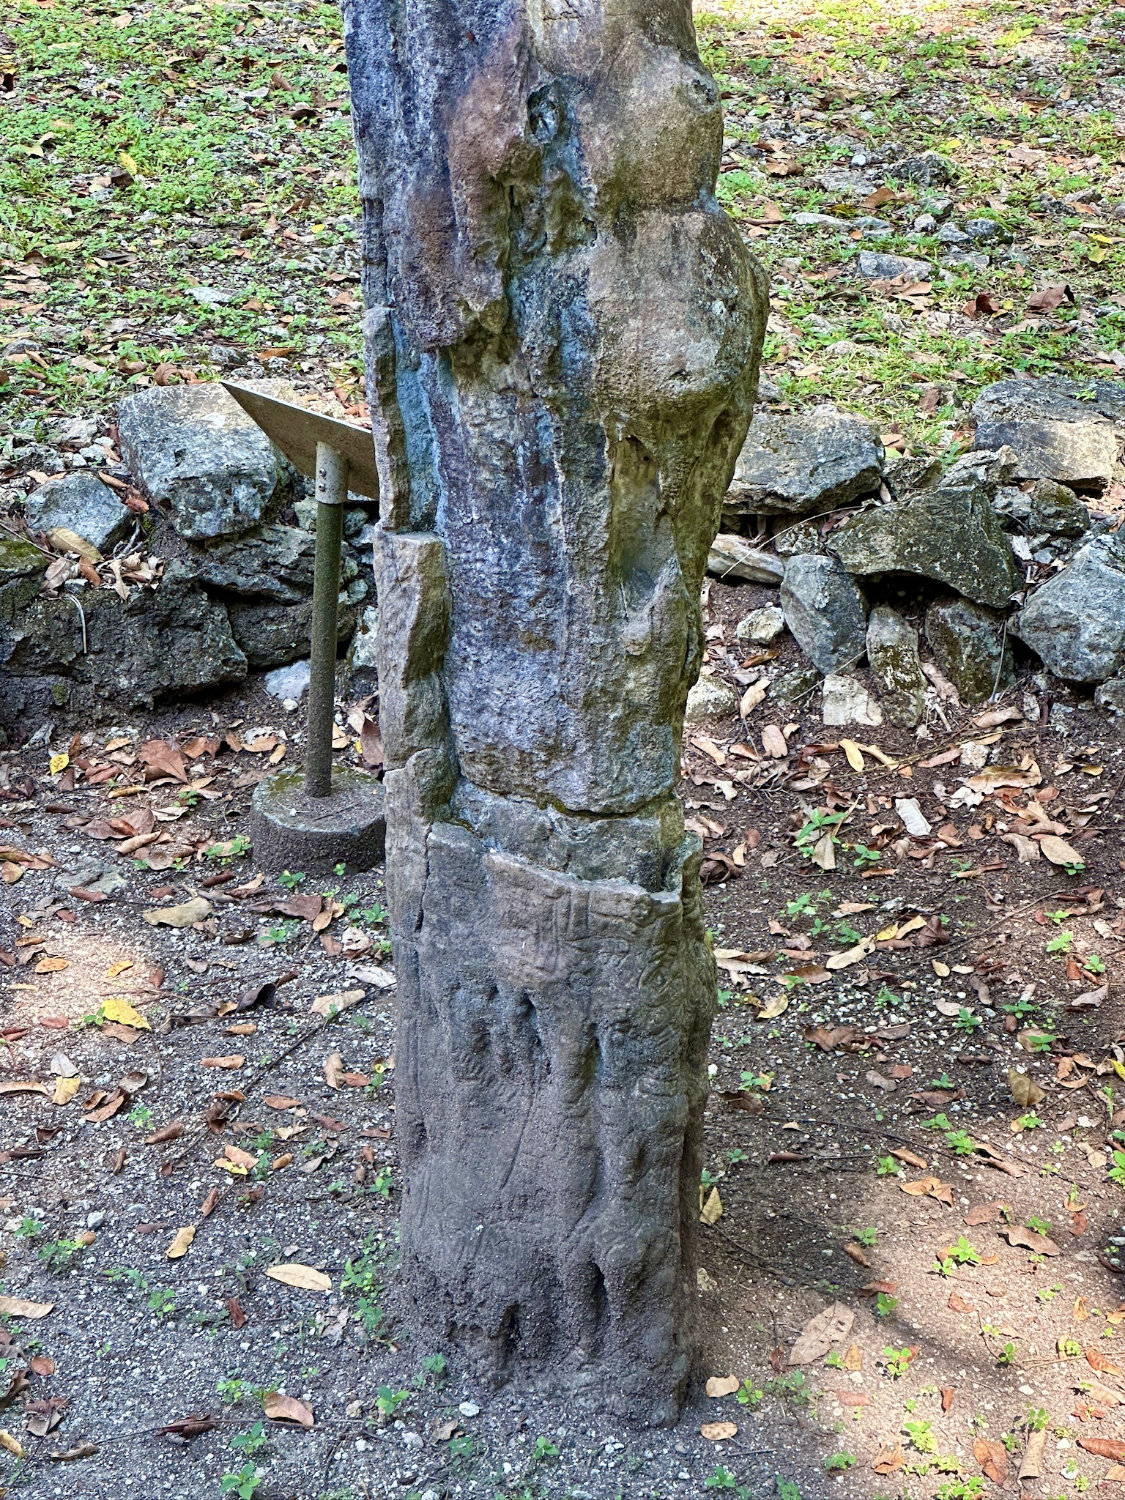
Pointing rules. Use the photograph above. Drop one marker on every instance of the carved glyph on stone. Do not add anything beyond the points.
(562, 335)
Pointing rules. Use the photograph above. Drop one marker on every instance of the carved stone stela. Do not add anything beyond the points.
(562, 336)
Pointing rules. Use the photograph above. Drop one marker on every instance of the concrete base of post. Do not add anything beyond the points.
(292, 831)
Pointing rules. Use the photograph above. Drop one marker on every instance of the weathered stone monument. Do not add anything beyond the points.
(562, 334)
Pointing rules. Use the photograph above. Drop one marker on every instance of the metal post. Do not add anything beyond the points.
(331, 495)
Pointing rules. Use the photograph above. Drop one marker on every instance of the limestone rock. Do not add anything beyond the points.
(155, 646)
(794, 688)
(1057, 509)
(803, 464)
(19, 559)
(270, 636)
(81, 503)
(825, 611)
(762, 626)
(847, 701)
(928, 170)
(877, 265)
(1063, 429)
(709, 699)
(1111, 695)
(271, 562)
(969, 645)
(733, 558)
(1076, 620)
(798, 536)
(892, 652)
(202, 460)
(952, 536)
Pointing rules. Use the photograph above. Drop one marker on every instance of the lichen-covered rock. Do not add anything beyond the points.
(272, 636)
(733, 559)
(1057, 509)
(709, 699)
(81, 503)
(171, 643)
(950, 535)
(20, 559)
(1076, 620)
(825, 610)
(798, 536)
(927, 169)
(1063, 429)
(794, 688)
(892, 652)
(1111, 695)
(761, 626)
(970, 647)
(271, 562)
(206, 464)
(801, 464)
(879, 265)
(847, 701)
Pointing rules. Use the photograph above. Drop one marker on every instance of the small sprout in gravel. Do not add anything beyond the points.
(1094, 964)
(1007, 1355)
(889, 1166)
(59, 1255)
(966, 1020)
(921, 1436)
(839, 1462)
(388, 1401)
(865, 856)
(749, 1395)
(723, 1479)
(251, 1443)
(834, 1360)
(244, 1484)
(1062, 944)
(1116, 1173)
(897, 1361)
(787, 1489)
(292, 880)
(544, 1450)
(885, 1304)
(886, 997)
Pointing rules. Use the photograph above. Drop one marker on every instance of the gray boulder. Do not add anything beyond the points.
(202, 460)
(892, 652)
(970, 647)
(733, 559)
(951, 535)
(153, 647)
(84, 505)
(1057, 509)
(271, 562)
(1111, 695)
(928, 170)
(1076, 620)
(709, 698)
(761, 626)
(825, 611)
(792, 689)
(847, 701)
(802, 464)
(1062, 429)
(877, 265)
(273, 637)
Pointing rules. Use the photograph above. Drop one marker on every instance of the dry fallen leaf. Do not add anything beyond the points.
(929, 1187)
(17, 1307)
(712, 1210)
(828, 1327)
(179, 1245)
(65, 1090)
(722, 1385)
(184, 915)
(118, 1009)
(1058, 851)
(853, 754)
(1029, 1239)
(718, 1432)
(1025, 1091)
(993, 1459)
(287, 1409)
(889, 1460)
(304, 1277)
(1032, 1455)
(10, 1444)
(1104, 1447)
